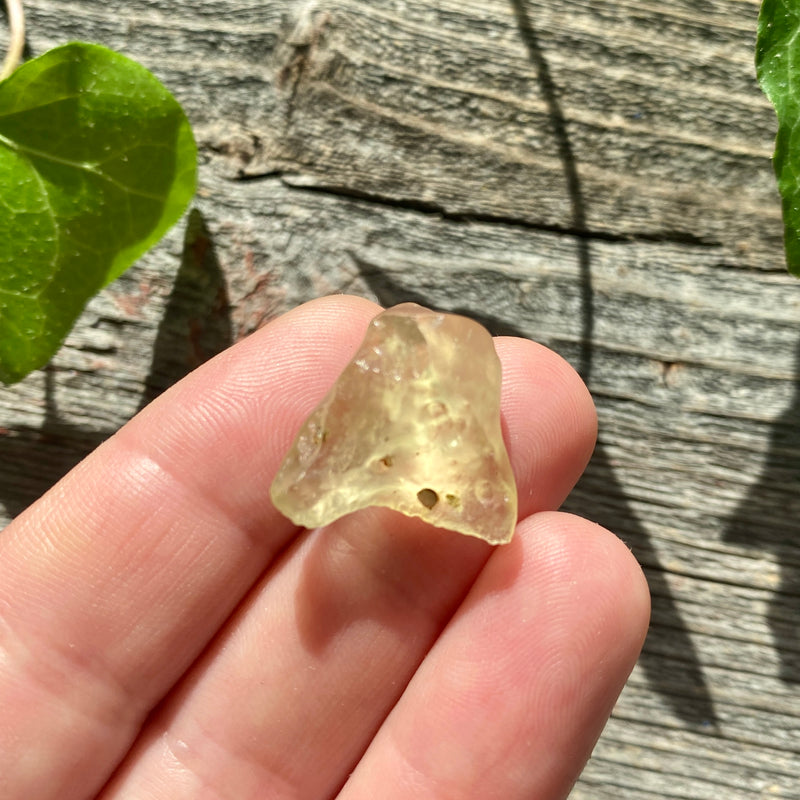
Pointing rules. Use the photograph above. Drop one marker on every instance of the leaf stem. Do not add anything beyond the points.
(16, 44)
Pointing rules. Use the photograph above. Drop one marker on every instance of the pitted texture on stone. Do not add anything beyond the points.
(413, 424)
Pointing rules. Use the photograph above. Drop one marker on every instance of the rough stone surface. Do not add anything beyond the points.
(413, 424)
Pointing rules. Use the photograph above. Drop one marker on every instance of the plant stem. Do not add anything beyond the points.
(16, 44)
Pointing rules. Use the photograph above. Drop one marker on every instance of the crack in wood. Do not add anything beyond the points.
(465, 217)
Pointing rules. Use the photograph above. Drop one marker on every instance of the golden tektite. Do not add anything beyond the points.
(413, 424)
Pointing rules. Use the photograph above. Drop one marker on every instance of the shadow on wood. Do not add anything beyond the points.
(567, 156)
(195, 326)
(669, 657)
(769, 518)
(33, 459)
(686, 693)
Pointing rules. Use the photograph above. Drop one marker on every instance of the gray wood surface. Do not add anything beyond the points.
(593, 174)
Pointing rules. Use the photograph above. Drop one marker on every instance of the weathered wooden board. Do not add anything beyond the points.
(593, 174)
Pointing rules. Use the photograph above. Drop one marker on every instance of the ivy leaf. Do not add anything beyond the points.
(778, 70)
(97, 162)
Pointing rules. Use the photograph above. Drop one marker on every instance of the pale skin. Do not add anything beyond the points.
(166, 634)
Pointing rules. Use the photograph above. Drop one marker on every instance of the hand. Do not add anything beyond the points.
(166, 634)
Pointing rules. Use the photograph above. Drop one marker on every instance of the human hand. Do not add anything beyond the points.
(165, 633)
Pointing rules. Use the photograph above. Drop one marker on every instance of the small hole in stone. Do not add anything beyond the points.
(435, 409)
(383, 465)
(452, 500)
(427, 497)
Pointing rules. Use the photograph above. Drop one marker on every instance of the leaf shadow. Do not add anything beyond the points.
(196, 324)
(194, 327)
(768, 518)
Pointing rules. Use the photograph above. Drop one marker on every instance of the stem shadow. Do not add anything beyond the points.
(599, 495)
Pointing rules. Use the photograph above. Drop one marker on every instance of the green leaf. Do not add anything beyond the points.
(97, 162)
(778, 69)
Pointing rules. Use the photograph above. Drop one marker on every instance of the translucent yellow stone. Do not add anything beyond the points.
(413, 424)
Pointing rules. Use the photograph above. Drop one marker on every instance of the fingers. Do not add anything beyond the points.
(287, 699)
(114, 582)
(510, 701)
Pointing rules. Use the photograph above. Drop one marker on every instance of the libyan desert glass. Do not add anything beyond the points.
(412, 424)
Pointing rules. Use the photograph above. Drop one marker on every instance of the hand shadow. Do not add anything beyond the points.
(194, 327)
(768, 518)
(669, 658)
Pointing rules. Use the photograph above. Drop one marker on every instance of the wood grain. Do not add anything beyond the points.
(593, 174)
